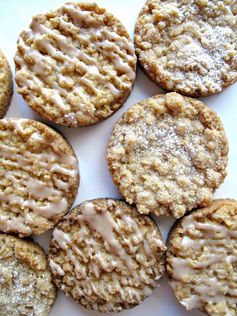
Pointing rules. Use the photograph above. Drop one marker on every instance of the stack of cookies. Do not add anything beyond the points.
(167, 155)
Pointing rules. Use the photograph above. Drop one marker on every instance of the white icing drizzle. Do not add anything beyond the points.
(40, 159)
(120, 263)
(191, 302)
(57, 168)
(37, 189)
(29, 192)
(64, 242)
(23, 161)
(54, 97)
(104, 224)
(37, 137)
(15, 223)
(29, 218)
(213, 243)
(47, 210)
(102, 262)
(61, 184)
(58, 46)
(189, 223)
(182, 268)
(56, 268)
(17, 124)
(79, 17)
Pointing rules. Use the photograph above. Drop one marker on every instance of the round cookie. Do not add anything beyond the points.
(188, 46)
(201, 259)
(38, 177)
(106, 256)
(168, 154)
(75, 66)
(6, 86)
(26, 281)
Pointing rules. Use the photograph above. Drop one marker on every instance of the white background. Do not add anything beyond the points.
(90, 143)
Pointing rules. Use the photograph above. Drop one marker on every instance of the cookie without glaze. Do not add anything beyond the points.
(38, 177)
(168, 154)
(6, 86)
(201, 259)
(75, 66)
(26, 285)
(188, 46)
(106, 256)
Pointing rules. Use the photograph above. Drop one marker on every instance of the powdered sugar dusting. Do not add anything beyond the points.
(166, 163)
(190, 48)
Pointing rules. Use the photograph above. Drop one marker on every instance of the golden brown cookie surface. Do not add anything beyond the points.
(188, 46)
(5, 85)
(107, 256)
(76, 65)
(26, 281)
(38, 176)
(201, 259)
(168, 154)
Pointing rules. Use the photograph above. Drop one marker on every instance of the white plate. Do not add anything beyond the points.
(90, 142)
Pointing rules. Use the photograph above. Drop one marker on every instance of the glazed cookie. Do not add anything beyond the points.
(5, 85)
(75, 66)
(38, 177)
(201, 259)
(26, 281)
(168, 154)
(106, 256)
(188, 46)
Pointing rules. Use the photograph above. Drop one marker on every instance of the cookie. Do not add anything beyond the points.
(26, 281)
(106, 256)
(38, 177)
(6, 86)
(75, 66)
(168, 154)
(201, 259)
(188, 46)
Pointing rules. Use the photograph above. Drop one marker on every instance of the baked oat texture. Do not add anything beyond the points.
(106, 256)
(188, 46)
(38, 177)
(26, 285)
(75, 66)
(168, 154)
(201, 259)
(5, 84)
